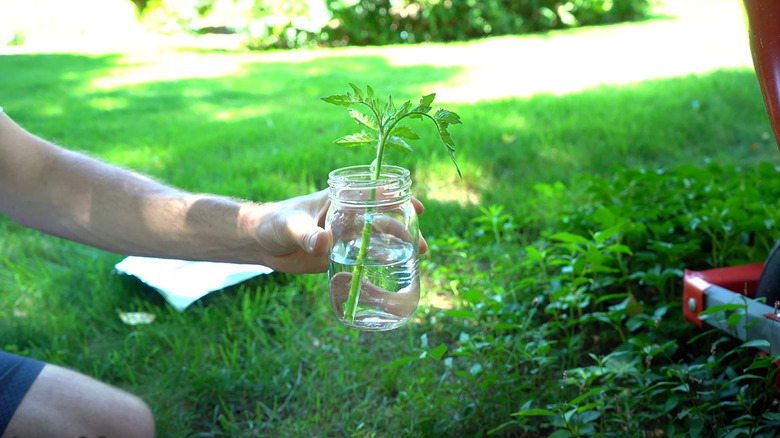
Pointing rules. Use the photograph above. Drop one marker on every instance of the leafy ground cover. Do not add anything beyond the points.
(552, 284)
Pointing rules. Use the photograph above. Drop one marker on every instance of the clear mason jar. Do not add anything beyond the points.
(381, 291)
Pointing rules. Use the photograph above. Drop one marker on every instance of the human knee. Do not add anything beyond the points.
(62, 402)
(123, 415)
(138, 419)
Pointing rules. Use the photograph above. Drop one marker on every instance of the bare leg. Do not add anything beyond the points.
(63, 403)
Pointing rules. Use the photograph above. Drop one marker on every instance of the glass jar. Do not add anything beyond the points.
(374, 270)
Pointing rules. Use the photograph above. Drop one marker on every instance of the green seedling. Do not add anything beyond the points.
(382, 129)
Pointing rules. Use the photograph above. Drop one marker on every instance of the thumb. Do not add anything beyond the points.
(315, 241)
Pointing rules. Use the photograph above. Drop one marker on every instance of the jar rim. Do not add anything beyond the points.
(389, 171)
(347, 185)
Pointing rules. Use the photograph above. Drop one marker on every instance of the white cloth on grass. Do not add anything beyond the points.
(182, 282)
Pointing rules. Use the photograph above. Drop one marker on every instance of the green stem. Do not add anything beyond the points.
(357, 272)
(365, 240)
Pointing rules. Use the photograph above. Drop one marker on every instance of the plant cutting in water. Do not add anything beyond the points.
(382, 130)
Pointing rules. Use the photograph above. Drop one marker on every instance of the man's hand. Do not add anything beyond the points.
(291, 233)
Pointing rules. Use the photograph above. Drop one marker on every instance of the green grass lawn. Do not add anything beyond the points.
(266, 357)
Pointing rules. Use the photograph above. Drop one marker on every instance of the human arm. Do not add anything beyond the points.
(76, 197)
(73, 196)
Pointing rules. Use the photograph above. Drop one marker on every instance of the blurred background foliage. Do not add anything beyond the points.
(300, 23)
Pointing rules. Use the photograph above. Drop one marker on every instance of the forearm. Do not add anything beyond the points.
(126, 213)
(73, 196)
(81, 199)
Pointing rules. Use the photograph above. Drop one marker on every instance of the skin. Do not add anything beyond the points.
(75, 197)
(64, 403)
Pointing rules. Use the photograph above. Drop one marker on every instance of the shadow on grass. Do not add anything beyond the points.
(262, 131)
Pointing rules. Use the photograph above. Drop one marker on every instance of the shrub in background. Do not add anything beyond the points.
(378, 22)
(262, 23)
(297, 23)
